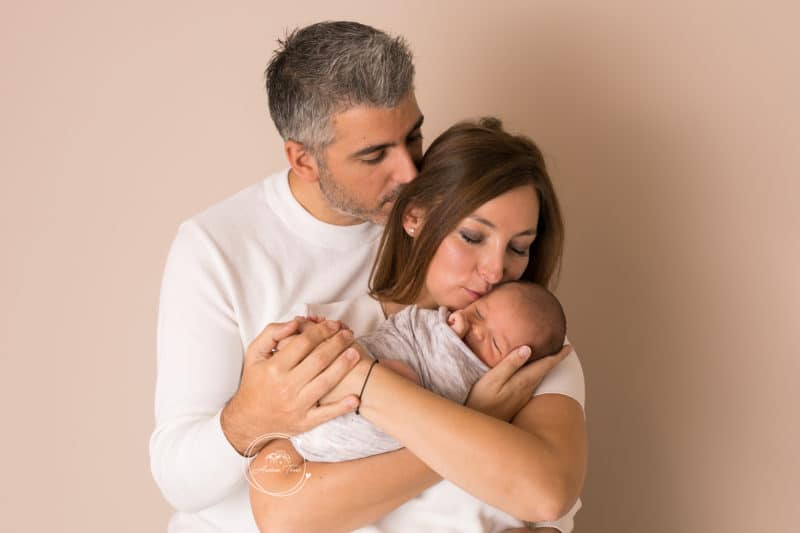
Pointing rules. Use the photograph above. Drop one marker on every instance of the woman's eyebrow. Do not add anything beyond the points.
(481, 220)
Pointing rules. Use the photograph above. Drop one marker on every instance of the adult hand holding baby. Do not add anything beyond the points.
(507, 387)
(279, 390)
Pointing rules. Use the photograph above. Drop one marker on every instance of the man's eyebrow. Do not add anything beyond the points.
(378, 147)
(488, 223)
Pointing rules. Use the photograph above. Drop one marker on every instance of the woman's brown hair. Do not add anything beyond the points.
(466, 166)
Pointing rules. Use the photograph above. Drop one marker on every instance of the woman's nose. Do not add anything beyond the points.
(492, 269)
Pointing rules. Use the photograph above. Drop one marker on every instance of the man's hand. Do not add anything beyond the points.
(507, 387)
(303, 324)
(279, 390)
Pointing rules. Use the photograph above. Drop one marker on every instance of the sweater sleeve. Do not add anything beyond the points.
(199, 364)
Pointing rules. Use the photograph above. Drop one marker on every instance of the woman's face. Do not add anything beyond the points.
(488, 246)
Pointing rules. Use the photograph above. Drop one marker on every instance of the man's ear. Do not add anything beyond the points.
(413, 220)
(302, 162)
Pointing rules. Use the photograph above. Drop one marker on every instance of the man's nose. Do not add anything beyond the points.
(406, 168)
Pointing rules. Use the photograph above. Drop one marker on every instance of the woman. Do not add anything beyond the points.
(481, 211)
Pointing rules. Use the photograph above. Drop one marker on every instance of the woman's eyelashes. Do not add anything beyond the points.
(471, 238)
(519, 251)
(475, 238)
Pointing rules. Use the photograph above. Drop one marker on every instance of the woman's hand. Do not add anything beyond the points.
(506, 388)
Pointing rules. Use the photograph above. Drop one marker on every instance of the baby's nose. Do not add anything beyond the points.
(477, 332)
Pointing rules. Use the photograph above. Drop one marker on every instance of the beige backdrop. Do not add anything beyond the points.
(673, 137)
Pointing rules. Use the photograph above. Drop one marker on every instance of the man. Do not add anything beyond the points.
(341, 95)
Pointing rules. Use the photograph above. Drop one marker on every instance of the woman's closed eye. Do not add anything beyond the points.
(471, 238)
(519, 250)
(476, 238)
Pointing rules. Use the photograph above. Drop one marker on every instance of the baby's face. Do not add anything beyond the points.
(492, 326)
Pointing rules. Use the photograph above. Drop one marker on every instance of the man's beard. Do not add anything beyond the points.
(340, 201)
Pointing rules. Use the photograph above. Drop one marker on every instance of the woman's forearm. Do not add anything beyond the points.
(344, 496)
(517, 470)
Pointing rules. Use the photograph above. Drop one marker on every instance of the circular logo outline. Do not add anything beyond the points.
(283, 460)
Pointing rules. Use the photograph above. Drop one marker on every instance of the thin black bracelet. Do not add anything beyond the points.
(360, 394)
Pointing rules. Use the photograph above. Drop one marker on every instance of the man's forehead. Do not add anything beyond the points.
(366, 125)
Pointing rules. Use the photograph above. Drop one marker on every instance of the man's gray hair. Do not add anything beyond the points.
(329, 67)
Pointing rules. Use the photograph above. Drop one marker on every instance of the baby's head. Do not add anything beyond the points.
(513, 314)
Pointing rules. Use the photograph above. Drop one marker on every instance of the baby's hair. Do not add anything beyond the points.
(546, 312)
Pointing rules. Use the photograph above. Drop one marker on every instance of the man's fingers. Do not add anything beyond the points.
(305, 343)
(324, 413)
(326, 383)
(323, 356)
(270, 336)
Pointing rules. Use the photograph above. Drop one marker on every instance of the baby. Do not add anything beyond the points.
(514, 314)
(447, 353)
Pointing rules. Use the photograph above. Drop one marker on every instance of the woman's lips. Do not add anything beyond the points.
(474, 295)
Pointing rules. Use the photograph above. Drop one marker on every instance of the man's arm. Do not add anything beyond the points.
(199, 364)
(194, 449)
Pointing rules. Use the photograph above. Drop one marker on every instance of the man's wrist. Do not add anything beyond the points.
(236, 431)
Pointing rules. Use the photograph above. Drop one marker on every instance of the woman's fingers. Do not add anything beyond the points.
(509, 365)
(529, 377)
(503, 390)
(492, 395)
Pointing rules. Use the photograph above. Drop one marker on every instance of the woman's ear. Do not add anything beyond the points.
(302, 162)
(413, 219)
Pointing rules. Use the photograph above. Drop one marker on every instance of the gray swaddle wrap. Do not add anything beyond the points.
(422, 339)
